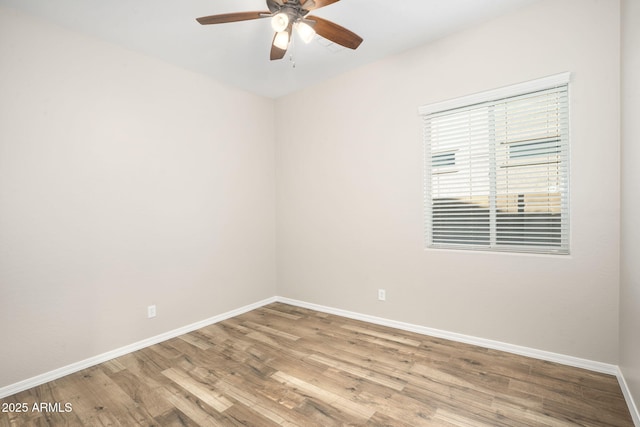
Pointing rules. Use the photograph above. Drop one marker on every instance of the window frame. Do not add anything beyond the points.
(520, 154)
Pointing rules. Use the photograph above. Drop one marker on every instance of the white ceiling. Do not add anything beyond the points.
(238, 53)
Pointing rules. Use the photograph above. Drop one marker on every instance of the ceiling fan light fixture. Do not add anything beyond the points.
(308, 4)
(305, 31)
(280, 22)
(281, 41)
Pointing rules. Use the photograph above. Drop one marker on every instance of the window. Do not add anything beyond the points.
(497, 169)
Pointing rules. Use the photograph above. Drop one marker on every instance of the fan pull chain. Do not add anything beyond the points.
(292, 49)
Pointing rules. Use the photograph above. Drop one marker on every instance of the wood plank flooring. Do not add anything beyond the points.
(286, 366)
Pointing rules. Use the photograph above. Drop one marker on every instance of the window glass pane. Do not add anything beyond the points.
(460, 185)
(528, 137)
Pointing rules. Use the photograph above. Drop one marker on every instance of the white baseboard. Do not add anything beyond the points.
(496, 345)
(633, 409)
(101, 358)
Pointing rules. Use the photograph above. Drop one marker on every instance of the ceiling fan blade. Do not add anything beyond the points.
(231, 17)
(316, 4)
(276, 52)
(336, 33)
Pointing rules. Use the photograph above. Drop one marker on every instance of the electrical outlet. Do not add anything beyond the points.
(151, 311)
(382, 294)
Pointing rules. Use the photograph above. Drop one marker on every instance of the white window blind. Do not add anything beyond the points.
(497, 171)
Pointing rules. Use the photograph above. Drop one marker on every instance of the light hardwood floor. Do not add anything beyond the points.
(284, 365)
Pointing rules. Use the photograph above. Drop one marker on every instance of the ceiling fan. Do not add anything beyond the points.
(288, 14)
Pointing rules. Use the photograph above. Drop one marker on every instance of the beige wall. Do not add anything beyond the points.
(124, 182)
(630, 252)
(350, 192)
